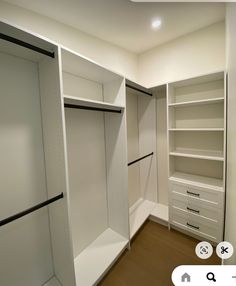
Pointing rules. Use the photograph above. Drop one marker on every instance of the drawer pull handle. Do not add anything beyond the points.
(192, 210)
(193, 194)
(193, 226)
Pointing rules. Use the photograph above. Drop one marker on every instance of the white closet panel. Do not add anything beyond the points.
(147, 144)
(162, 150)
(133, 147)
(24, 244)
(87, 175)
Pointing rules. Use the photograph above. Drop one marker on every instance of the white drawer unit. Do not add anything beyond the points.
(197, 206)
(198, 192)
(197, 210)
(198, 225)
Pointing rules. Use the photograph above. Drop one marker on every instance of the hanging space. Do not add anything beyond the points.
(147, 194)
(34, 247)
(94, 101)
(197, 148)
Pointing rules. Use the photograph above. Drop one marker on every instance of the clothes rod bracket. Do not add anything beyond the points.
(68, 105)
(26, 45)
(30, 210)
(138, 89)
(137, 160)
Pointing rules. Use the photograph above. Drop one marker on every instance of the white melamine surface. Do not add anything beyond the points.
(139, 212)
(147, 144)
(25, 245)
(87, 175)
(133, 147)
(196, 129)
(92, 263)
(195, 180)
(230, 234)
(161, 212)
(90, 103)
(73, 63)
(162, 149)
(198, 102)
(199, 154)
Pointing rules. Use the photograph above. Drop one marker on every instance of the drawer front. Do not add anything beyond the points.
(216, 197)
(197, 206)
(197, 225)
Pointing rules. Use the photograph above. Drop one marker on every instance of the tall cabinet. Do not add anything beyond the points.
(197, 155)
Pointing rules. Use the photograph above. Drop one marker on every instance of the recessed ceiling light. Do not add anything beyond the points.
(156, 24)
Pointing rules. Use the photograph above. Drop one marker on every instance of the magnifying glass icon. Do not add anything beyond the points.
(211, 276)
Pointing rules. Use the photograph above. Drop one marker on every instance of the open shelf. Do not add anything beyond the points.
(90, 103)
(160, 212)
(196, 129)
(95, 260)
(199, 181)
(197, 102)
(139, 213)
(199, 154)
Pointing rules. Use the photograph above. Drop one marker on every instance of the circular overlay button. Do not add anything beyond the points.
(224, 250)
(204, 250)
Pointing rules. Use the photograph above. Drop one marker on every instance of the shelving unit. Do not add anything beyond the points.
(147, 194)
(197, 142)
(35, 249)
(94, 101)
(105, 249)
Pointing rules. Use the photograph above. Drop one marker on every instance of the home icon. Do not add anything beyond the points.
(185, 278)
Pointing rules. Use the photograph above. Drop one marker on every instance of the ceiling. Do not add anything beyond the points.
(128, 24)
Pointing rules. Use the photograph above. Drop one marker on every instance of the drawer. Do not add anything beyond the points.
(196, 224)
(213, 196)
(196, 206)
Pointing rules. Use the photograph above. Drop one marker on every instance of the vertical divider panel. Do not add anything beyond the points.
(116, 159)
(53, 132)
(147, 144)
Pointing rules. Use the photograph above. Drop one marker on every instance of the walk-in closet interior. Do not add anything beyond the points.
(89, 154)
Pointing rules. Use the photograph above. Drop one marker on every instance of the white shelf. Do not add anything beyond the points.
(198, 181)
(139, 213)
(196, 129)
(90, 103)
(95, 260)
(198, 154)
(52, 282)
(161, 212)
(197, 102)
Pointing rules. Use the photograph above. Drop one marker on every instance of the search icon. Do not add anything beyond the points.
(211, 276)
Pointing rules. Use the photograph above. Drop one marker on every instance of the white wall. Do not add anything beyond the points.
(104, 53)
(197, 53)
(231, 178)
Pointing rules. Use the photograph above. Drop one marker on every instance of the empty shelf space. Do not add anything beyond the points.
(199, 181)
(196, 129)
(161, 212)
(95, 260)
(77, 101)
(139, 213)
(199, 154)
(197, 102)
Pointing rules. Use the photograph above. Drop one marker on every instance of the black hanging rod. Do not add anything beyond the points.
(137, 160)
(138, 89)
(68, 105)
(26, 45)
(30, 210)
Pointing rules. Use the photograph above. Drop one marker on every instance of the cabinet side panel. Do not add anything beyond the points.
(25, 250)
(55, 169)
(147, 144)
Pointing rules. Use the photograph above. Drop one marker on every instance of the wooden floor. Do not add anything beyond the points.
(154, 253)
